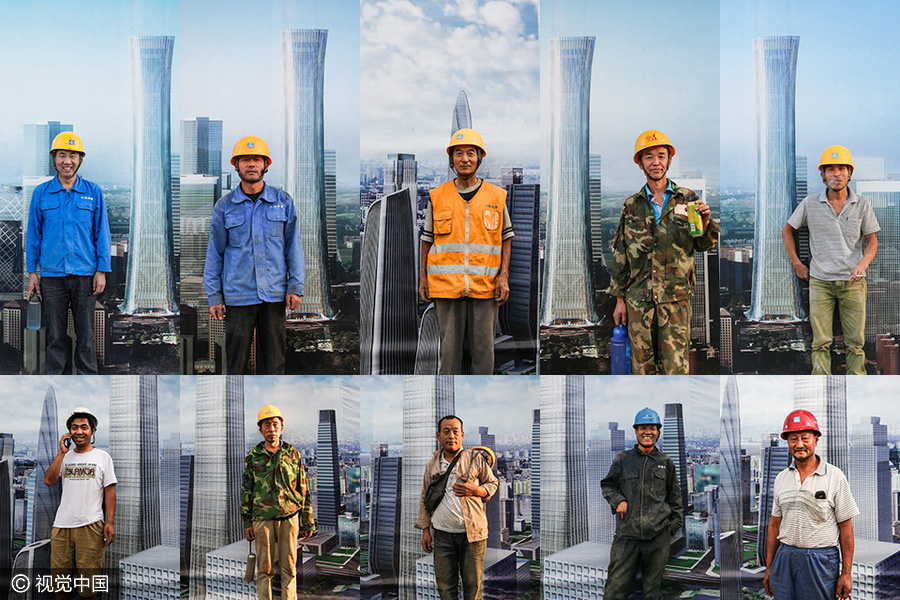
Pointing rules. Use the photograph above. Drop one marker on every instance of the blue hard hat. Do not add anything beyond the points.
(647, 416)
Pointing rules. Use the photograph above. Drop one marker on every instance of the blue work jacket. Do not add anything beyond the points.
(254, 253)
(68, 230)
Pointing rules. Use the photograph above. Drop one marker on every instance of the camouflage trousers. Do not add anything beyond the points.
(660, 336)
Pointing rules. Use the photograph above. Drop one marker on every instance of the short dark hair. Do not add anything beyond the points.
(449, 417)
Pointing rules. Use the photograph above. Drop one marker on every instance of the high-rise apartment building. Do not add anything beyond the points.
(426, 399)
(46, 498)
(870, 481)
(134, 448)
(328, 487)
(568, 294)
(218, 468)
(564, 519)
(150, 284)
(775, 295)
(389, 284)
(826, 397)
(303, 59)
(606, 443)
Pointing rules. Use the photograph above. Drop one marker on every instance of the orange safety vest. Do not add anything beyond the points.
(465, 257)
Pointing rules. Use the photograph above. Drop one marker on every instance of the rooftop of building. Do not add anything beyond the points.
(867, 552)
(591, 554)
(158, 557)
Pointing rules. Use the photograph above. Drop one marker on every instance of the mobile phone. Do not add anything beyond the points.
(68, 442)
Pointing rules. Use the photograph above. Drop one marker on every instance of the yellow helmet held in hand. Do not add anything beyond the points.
(836, 155)
(650, 139)
(251, 145)
(267, 412)
(488, 455)
(467, 137)
(67, 141)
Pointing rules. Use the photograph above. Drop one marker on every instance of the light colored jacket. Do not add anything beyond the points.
(471, 466)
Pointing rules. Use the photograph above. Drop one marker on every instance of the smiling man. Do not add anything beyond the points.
(80, 536)
(466, 245)
(842, 243)
(642, 489)
(652, 274)
(809, 552)
(68, 236)
(254, 263)
(460, 529)
(276, 507)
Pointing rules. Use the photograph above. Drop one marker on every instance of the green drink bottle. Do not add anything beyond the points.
(694, 219)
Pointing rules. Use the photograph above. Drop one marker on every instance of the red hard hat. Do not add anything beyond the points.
(799, 420)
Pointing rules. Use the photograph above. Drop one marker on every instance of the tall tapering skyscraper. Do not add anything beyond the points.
(673, 444)
(564, 520)
(134, 448)
(218, 468)
(150, 283)
(773, 460)
(536, 474)
(568, 295)
(606, 443)
(825, 396)
(388, 288)
(384, 526)
(303, 58)
(425, 400)
(7, 503)
(462, 119)
(775, 295)
(870, 481)
(46, 499)
(730, 498)
(328, 484)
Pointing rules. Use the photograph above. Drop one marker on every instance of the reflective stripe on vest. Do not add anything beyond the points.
(464, 259)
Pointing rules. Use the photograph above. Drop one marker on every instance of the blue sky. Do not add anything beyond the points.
(74, 68)
(655, 67)
(417, 55)
(23, 400)
(847, 83)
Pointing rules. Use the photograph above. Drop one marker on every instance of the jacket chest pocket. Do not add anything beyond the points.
(84, 210)
(276, 218)
(238, 229)
(49, 204)
(491, 220)
(658, 483)
(443, 222)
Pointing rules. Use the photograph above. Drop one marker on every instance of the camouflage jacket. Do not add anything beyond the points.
(654, 262)
(275, 486)
(649, 484)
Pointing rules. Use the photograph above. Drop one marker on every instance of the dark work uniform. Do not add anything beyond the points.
(649, 484)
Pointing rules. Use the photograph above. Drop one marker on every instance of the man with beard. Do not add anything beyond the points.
(652, 274)
(838, 222)
(254, 263)
(811, 516)
(276, 507)
(642, 489)
(68, 236)
(80, 537)
(456, 528)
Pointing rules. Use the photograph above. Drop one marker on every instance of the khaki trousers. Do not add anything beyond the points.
(851, 298)
(277, 536)
(472, 319)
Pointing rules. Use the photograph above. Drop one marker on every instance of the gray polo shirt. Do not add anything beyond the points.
(835, 241)
(810, 511)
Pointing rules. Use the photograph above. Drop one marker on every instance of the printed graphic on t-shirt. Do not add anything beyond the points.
(80, 471)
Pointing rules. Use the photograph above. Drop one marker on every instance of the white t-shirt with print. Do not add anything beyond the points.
(83, 478)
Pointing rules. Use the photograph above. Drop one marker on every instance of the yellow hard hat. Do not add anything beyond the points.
(267, 412)
(67, 141)
(836, 155)
(467, 137)
(650, 139)
(250, 145)
(488, 455)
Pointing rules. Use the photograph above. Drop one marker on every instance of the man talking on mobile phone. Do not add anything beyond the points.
(80, 535)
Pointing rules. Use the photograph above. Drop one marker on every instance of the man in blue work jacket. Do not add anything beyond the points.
(68, 236)
(254, 263)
